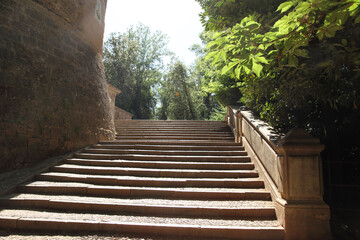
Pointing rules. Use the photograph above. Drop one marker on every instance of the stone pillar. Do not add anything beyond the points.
(304, 215)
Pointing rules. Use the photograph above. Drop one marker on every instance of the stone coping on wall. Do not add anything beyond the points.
(263, 127)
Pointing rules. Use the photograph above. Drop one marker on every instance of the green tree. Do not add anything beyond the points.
(180, 96)
(296, 67)
(133, 62)
(217, 90)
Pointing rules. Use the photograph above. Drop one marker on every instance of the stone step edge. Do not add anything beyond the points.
(145, 137)
(164, 152)
(167, 142)
(162, 157)
(146, 172)
(253, 213)
(252, 184)
(162, 164)
(249, 233)
(167, 147)
(146, 193)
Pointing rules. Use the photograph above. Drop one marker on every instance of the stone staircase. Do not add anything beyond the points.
(178, 179)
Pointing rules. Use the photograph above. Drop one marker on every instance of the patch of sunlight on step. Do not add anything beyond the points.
(190, 189)
(177, 170)
(31, 214)
(146, 178)
(149, 201)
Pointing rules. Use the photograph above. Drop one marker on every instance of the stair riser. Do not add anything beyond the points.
(162, 165)
(154, 183)
(165, 158)
(143, 210)
(145, 193)
(178, 153)
(146, 173)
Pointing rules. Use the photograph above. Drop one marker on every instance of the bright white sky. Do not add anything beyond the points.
(179, 19)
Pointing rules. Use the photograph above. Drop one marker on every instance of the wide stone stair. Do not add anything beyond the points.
(175, 179)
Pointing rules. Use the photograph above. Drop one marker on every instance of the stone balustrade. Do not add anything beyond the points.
(291, 167)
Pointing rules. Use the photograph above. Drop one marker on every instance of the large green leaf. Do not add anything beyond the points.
(257, 68)
(228, 67)
(285, 6)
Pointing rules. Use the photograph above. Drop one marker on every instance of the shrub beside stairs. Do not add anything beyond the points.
(174, 179)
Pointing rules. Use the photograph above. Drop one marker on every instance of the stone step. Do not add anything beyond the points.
(148, 201)
(83, 189)
(173, 130)
(168, 147)
(150, 181)
(179, 227)
(154, 172)
(258, 213)
(165, 152)
(173, 142)
(173, 134)
(161, 164)
(175, 138)
(169, 122)
(223, 159)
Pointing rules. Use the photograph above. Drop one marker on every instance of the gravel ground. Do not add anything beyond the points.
(134, 219)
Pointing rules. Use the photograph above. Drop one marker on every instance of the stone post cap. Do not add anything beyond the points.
(298, 141)
(113, 89)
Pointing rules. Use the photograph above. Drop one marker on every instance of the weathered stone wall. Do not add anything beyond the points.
(53, 93)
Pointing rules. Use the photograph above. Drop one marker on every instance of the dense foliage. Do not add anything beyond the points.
(267, 54)
(297, 64)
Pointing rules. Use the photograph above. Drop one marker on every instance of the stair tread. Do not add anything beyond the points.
(161, 156)
(148, 201)
(152, 169)
(163, 164)
(163, 152)
(180, 189)
(173, 142)
(175, 147)
(230, 164)
(34, 214)
(150, 178)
